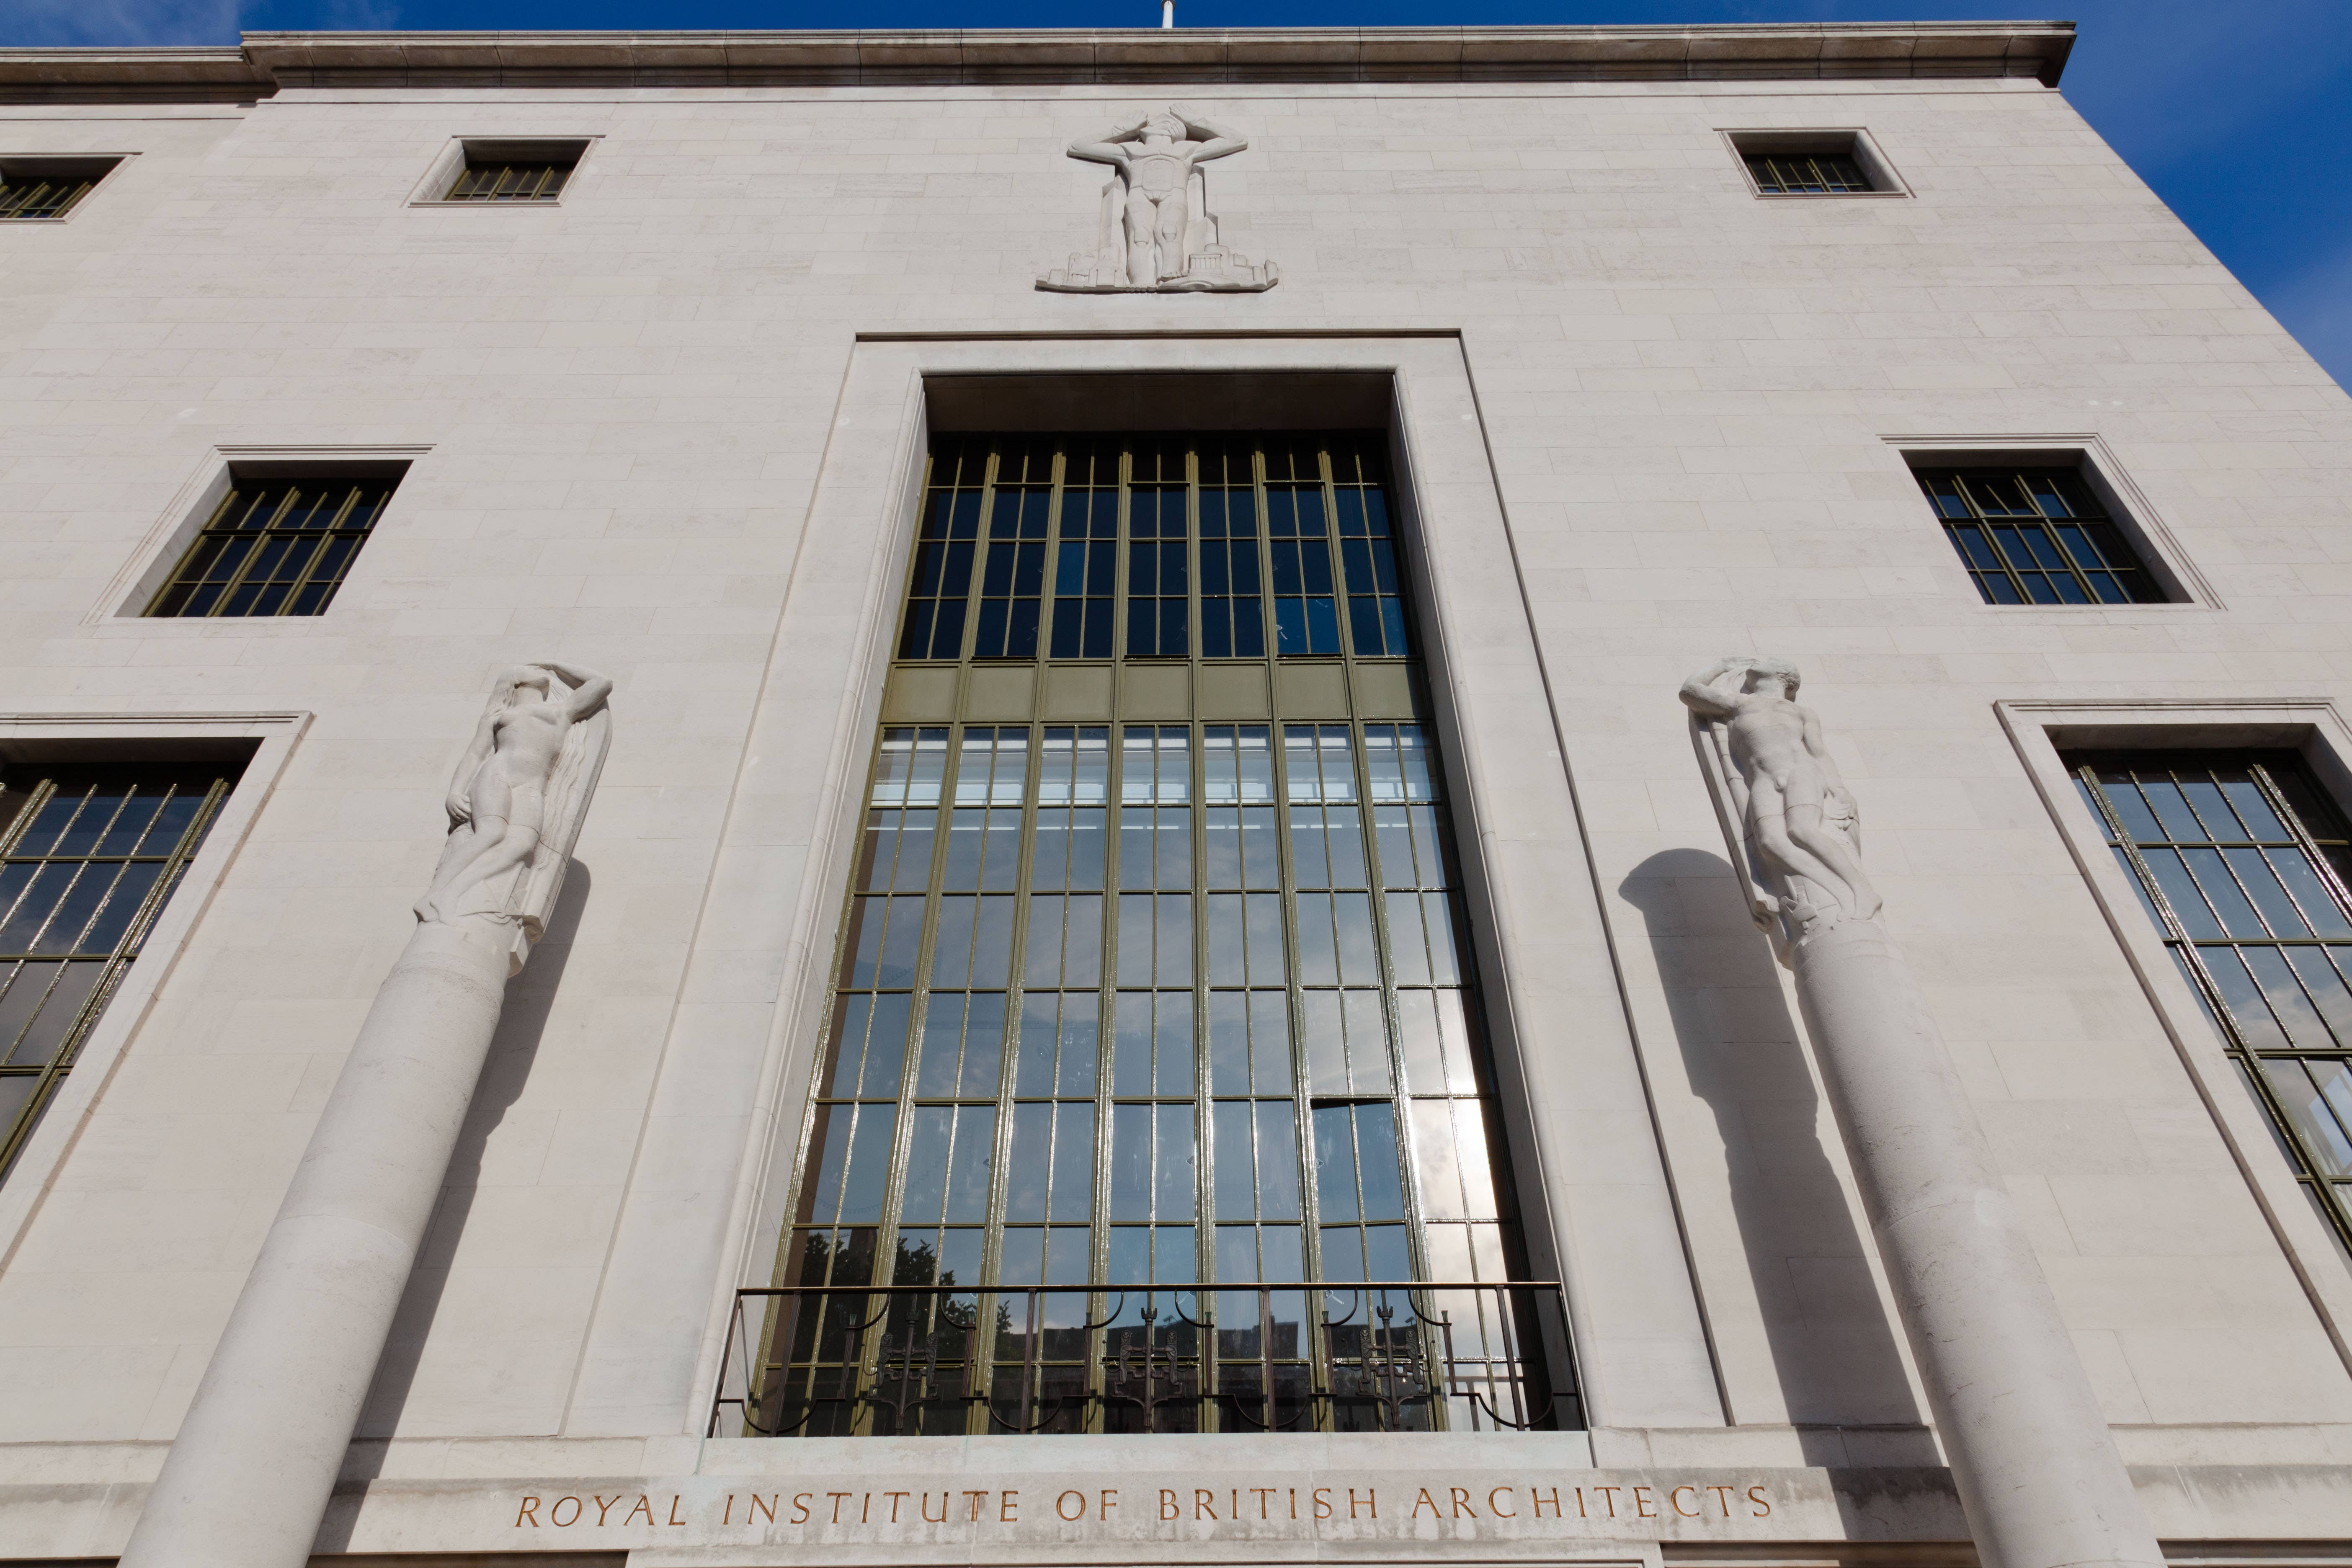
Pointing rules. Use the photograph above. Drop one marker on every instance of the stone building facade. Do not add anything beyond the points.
(1244, 504)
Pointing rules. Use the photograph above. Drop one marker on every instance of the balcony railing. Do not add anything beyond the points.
(933, 1360)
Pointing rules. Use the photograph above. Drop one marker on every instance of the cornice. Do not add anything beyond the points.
(266, 62)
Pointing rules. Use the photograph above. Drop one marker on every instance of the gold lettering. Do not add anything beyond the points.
(602, 1507)
(1675, 1498)
(866, 1509)
(1496, 1508)
(896, 1498)
(1538, 1498)
(1294, 1503)
(1064, 1513)
(645, 1503)
(1609, 1496)
(977, 1498)
(1322, 1502)
(1006, 1502)
(1167, 1503)
(1642, 1509)
(1722, 1499)
(1203, 1500)
(1372, 1501)
(837, 1500)
(1110, 1500)
(1763, 1509)
(768, 1508)
(529, 1510)
(1579, 1503)
(1233, 1503)
(673, 1510)
(926, 1506)
(1418, 1504)
(800, 1503)
(730, 1516)
(1462, 1503)
(564, 1523)
(1261, 1493)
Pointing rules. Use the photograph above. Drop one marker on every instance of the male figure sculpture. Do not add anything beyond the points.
(1794, 810)
(1155, 157)
(498, 801)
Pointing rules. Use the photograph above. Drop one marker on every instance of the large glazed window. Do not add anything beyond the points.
(1174, 995)
(88, 858)
(2242, 862)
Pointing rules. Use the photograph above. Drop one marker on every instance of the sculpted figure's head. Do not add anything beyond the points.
(1163, 128)
(1772, 678)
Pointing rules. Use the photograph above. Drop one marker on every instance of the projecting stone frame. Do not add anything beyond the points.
(1594, 1195)
(2042, 729)
(257, 744)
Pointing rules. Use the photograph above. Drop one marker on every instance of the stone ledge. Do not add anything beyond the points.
(266, 62)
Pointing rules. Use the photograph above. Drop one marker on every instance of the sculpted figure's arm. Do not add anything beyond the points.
(1216, 141)
(1817, 746)
(1702, 696)
(1107, 148)
(589, 688)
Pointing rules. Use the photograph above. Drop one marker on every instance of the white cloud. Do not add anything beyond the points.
(121, 22)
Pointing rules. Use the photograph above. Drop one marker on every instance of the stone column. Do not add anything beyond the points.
(249, 1478)
(2030, 1453)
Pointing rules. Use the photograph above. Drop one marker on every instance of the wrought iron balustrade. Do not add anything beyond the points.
(941, 1360)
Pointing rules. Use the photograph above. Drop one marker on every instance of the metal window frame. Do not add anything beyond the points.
(2137, 567)
(2331, 1195)
(213, 527)
(2039, 729)
(92, 169)
(1372, 446)
(264, 741)
(50, 1074)
(1368, 446)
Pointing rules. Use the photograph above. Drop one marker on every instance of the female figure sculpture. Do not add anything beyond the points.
(519, 792)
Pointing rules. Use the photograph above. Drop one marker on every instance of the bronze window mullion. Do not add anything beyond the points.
(2000, 551)
(308, 566)
(243, 568)
(2304, 839)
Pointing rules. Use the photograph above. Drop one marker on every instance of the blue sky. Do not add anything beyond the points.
(2238, 113)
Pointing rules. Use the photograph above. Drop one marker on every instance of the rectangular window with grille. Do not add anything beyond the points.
(88, 856)
(2242, 863)
(494, 179)
(1807, 174)
(1143, 1031)
(276, 546)
(36, 188)
(2037, 536)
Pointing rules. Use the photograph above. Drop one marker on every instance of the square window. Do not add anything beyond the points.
(1814, 164)
(278, 541)
(2040, 536)
(33, 189)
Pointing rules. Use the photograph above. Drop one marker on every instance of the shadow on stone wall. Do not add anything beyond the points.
(529, 997)
(1832, 1347)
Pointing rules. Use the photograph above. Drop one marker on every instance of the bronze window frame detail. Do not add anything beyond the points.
(50, 189)
(55, 982)
(276, 544)
(1288, 956)
(2259, 922)
(2038, 537)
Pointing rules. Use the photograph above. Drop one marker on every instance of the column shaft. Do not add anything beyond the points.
(2029, 1449)
(249, 1476)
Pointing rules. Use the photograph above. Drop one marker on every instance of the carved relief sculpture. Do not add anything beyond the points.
(1157, 234)
(1794, 824)
(517, 800)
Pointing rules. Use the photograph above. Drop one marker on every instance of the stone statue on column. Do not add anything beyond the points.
(2031, 1454)
(248, 1477)
(1794, 826)
(517, 800)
